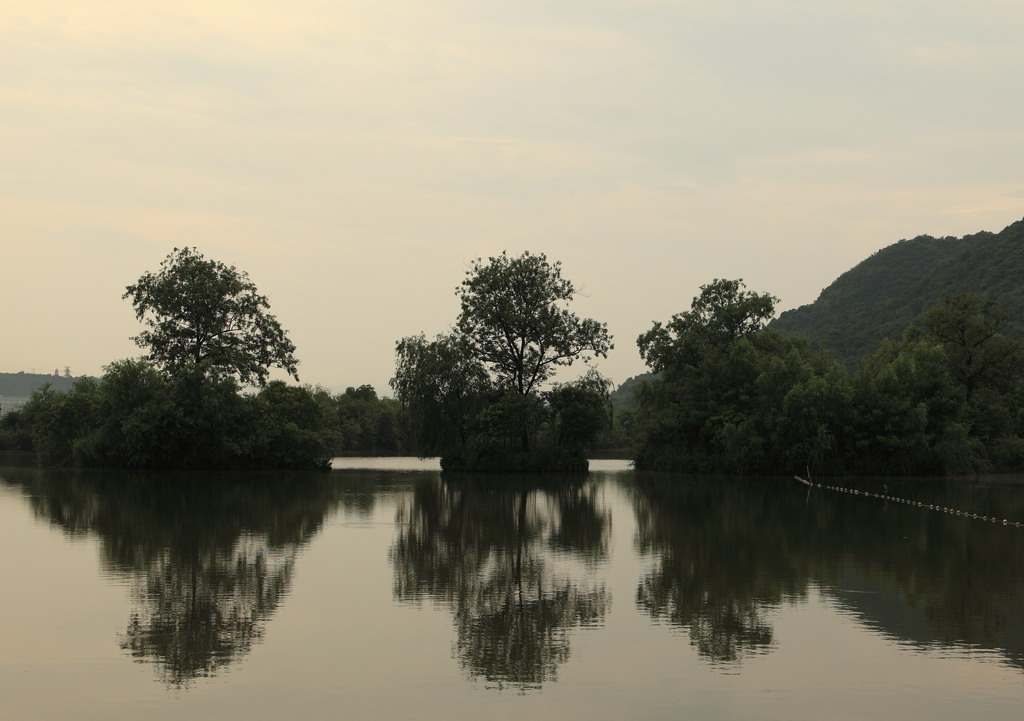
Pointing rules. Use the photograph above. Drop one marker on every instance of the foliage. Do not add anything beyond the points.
(722, 312)
(208, 333)
(579, 411)
(943, 400)
(202, 315)
(442, 387)
(474, 396)
(136, 417)
(514, 319)
(58, 419)
(368, 424)
(15, 433)
(899, 284)
(759, 403)
(906, 405)
(969, 329)
(294, 427)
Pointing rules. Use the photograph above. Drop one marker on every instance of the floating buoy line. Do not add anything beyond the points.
(908, 502)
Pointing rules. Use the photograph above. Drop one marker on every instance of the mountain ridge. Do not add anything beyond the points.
(897, 285)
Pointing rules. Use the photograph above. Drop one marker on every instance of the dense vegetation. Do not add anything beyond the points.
(475, 396)
(927, 379)
(208, 334)
(897, 286)
(732, 396)
(137, 417)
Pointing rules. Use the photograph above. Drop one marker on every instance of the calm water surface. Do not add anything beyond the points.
(381, 591)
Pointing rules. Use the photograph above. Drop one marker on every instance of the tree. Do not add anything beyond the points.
(515, 320)
(57, 420)
(293, 427)
(731, 396)
(202, 315)
(906, 410)
(580, 410)
(473, 395)
(722, 312)
(368, 424)
(441, 386)
(969, 328)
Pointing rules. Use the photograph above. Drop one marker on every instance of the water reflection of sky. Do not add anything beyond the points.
(385, 463)
(406, 463)
(675, 599)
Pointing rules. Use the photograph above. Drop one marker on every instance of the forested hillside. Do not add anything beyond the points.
(896, 286)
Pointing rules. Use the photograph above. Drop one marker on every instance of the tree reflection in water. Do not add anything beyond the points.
(196, 615)
(717, 571)
(209, 558)
(505, 556)
(726, 551)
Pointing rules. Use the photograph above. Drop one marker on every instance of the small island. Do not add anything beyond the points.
(208, 335)
(476, 396)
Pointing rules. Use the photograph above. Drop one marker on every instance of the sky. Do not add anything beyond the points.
(354, 157)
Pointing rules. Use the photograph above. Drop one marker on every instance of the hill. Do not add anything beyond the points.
(22, 384)
(897, 285)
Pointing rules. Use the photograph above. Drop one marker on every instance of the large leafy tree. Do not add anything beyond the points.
(515, 319)
(970, 329)
(723, 312)
(580, 410)
(474, 395)
(203, 315)
(442, 386)
(732, 396)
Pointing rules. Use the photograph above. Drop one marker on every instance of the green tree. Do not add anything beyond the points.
(368, 424)
(515, 319)
(731, 396)
(202, 315)
(970, 329)
(579, 411)
(141, 425)
(292, 428)
(15, 432)
(904, 407)
(441, 386)
(474, 396)
(58, 420)
(137, 417)
(721, 313)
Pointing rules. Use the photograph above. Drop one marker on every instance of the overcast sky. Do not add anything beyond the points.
(354, 156)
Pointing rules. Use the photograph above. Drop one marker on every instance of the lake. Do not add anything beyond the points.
(382, 590)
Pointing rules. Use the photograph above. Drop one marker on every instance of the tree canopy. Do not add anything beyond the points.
(474, 396)
(733, 396)
(970, 329)
(515, 319)
(441, 386)
(203, 315)
(721, 313)
(208, 331)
